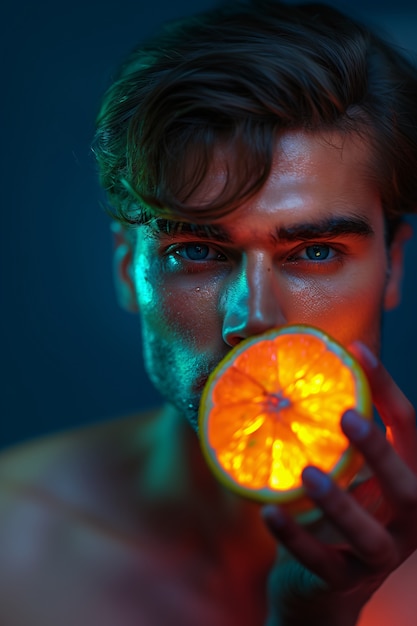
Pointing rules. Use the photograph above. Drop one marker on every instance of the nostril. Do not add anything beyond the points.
(233, 340)
(234, 336)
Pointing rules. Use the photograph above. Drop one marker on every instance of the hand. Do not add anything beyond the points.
(321, 581)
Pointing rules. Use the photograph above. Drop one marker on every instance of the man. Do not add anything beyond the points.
(258, 161)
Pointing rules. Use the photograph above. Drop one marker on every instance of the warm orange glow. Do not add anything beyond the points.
(274, 406)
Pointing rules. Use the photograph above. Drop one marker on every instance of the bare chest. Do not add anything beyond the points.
(73, 576)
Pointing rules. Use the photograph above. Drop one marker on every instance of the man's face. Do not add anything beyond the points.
(309, 248)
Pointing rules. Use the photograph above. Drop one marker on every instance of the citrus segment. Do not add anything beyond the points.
(273, 406)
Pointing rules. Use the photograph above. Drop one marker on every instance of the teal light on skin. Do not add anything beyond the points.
(201, 291)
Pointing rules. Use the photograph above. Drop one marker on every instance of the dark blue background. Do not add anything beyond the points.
(69, 355)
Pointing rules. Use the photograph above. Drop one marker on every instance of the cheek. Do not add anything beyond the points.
(177, 309)
(347, 307)
(146, 291)
(192, 314)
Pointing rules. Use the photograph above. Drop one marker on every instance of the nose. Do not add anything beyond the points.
(253, 301)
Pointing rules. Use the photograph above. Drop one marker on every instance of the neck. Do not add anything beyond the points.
(182, 494)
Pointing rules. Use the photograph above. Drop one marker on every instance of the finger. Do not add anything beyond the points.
(319, 558)
(370, 541)
(395, 409)
(397, 481)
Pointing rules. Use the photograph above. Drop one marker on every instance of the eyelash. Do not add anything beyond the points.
(181, 247)
(333, 251)
(335, 254)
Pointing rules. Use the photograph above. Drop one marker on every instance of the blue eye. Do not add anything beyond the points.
(318, 252)
(198, 252)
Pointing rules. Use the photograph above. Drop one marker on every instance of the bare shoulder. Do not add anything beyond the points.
(81, 473)
(73, 456)
(68, 554)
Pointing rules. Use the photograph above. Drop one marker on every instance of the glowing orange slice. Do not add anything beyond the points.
(273, 406)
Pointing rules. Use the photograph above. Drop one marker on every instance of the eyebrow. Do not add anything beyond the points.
(201, 231)
(326, 228)
(335, 226)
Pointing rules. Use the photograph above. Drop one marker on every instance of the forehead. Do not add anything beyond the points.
(318, 188)
(312, 172)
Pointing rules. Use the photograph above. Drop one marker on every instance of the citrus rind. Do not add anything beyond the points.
(348, 462)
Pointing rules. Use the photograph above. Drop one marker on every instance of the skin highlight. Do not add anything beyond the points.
(309, 248)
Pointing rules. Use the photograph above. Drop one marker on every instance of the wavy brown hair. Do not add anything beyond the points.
(238, 75)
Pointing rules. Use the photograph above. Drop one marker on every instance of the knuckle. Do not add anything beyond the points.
(376, 444)
(339, 505)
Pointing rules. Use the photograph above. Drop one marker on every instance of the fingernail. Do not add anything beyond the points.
(355, 426)
(316, 483)
(273, 516)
